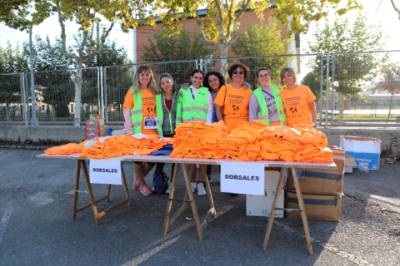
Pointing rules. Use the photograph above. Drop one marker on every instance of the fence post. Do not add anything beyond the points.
(333, 89)
(104, 94)
(326, 90)
(321, 85)
(23, 97)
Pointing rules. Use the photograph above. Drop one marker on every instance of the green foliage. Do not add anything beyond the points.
(312, 80)
(265, 42)
(182, 45)
(178, 46)
(222, 18)
(351, 65)
(23, 14)
(12, 59)
(391, 74)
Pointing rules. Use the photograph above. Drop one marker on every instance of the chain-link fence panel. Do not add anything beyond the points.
(59, 92)
(12, 98)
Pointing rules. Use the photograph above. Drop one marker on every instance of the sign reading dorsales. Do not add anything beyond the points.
(242, 178)
(105, 171)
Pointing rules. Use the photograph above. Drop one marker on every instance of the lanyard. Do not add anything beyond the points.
(191, 91)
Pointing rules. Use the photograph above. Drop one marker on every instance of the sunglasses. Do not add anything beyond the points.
(238, 72)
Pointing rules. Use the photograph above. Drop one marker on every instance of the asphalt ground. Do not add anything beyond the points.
(36, 226)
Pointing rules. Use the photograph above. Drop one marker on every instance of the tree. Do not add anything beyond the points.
(12, 61)
(396, 7)
(23, 15)
(391, 83)
(348, 47)
(55, 79)
(312, 80)
(222, 18)
(265, 42)
(179, 45)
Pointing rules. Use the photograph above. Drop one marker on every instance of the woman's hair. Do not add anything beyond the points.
(152, 84)
(235, 66)
(218, 75)
(262, 69)
(166, 75)
(196, 71)
(290, 71)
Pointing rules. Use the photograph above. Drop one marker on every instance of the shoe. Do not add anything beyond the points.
(142, 188)
(193, 185)
(201, 190)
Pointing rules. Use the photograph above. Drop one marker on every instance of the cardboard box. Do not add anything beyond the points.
(318, 207)
(261, 205)
(322, 181)
(365, 151)
(349, 164)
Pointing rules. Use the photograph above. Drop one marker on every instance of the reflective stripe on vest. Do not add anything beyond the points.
(160, 115)
(193, 110)
(263, 114)
(136, 111)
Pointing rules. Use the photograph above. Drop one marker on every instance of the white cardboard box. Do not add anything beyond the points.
(365, 151)
(261, 205)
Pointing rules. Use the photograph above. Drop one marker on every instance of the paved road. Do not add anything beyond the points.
(36, 226)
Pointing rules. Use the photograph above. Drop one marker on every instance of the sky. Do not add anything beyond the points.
(379, 12)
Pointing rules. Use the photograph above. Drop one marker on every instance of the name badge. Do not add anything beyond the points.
(150, 123)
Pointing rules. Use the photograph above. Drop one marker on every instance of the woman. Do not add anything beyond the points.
(140, 116)
(214, 81)
(232, 101)
(167, 99)
(195, 104)
(265, 103)
(298, 100)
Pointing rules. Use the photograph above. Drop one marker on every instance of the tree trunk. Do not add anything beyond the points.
(77, 100)
(223, 48)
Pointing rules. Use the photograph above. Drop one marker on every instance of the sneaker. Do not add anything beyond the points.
(201, 190)
(193, 185)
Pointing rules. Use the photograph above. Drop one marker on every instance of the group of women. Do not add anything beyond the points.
(151, 108)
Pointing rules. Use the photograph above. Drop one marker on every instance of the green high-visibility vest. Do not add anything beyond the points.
(189, 109)
(263, 113)
(137, 112)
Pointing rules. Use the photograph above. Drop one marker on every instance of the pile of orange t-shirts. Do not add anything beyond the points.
(200, 140)
(242, 142)
(66, 149)
(114, 146)
(252, 141)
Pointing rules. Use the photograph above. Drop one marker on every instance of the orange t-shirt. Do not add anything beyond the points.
(235, 103)
(296, 102)
(148, 104)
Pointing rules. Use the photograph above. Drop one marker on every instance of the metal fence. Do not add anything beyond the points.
(353, 88)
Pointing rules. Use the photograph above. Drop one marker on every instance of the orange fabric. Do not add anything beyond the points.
(114, 146)
(296, 102)
(235, 104)
(251, 141)
(148, 104)
(67, 149)
(120, 145)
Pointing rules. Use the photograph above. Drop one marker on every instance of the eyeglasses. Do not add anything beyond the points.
(238, 72)
(263, 75)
